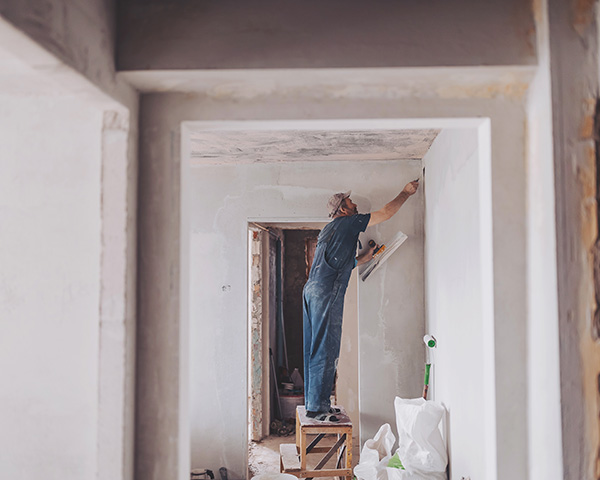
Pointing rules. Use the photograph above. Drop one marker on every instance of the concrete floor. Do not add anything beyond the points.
(263, 456)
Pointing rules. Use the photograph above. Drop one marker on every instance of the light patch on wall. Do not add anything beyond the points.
(244, 147)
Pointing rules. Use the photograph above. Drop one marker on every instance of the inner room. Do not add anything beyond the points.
(256, 180)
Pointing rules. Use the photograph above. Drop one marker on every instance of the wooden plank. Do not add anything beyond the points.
(345, 472)
(297, 429)
(302, 450)
(349, 452)
(331, 452)
(290, 460)
(316, 429)
(338, 464)
(313, 444)
(306, 421)
(324, 449)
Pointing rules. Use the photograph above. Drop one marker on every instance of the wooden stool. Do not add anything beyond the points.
(293, 457)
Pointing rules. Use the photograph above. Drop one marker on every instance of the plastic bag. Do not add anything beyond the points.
(395, 470)
(420, 444)
(421, 449)
(376, 454)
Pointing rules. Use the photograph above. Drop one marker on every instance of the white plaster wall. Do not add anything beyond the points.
(347, 389)
(73, 62)
(222, 199)
(49, 287)
(391, 307)
(543, 365)
(459, 291)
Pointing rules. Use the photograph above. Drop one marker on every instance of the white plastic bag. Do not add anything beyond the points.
(420, 445)
(421, 448)
(376, 454)
(396, 474)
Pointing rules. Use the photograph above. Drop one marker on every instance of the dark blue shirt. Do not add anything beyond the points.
(341, 235)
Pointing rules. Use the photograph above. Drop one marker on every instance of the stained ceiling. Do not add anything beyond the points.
(243, 147)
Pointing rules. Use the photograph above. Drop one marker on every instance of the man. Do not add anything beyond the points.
(325, 290)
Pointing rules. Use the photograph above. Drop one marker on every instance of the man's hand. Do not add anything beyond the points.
(366, 255)
(411, 188)
(391, 208)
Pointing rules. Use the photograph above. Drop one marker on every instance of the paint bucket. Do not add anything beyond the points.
(274, 476)
(289, 404)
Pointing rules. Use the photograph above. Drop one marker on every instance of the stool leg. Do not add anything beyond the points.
(349, 452)
(298, 428)
(302, 451)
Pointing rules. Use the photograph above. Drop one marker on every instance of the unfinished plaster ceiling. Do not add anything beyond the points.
(239, 147)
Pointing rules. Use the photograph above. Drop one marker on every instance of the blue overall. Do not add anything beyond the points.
(335, 257)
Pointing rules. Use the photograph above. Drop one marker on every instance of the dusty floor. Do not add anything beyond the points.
(263, 456)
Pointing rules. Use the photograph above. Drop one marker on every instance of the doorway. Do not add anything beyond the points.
(391, 303)
(279, 261)
(278, 267)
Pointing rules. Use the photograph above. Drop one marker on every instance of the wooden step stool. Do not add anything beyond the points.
(293, 457)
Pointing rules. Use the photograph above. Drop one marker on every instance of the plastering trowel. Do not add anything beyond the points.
(381, 254)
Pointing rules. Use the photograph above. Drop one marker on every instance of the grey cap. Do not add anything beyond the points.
(336, 201)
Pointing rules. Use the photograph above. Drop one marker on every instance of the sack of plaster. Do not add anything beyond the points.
(421, 447)
(375, 455)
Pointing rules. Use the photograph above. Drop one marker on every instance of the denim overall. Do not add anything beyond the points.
(323, 310)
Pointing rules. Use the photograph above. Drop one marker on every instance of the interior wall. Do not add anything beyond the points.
(57, 50)
(81, 35)
(161, 118)
(347, 387)
(49, 286)
(543, 352)
(459, 298)
(268, 34)
(222, 199)
(391, 306)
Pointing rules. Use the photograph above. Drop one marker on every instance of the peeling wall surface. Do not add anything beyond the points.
(237, 147)
(460, 313)
(256, 293)
(573, 29)
(221, 200)
(168, 35)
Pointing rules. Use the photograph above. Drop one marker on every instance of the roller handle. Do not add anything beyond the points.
(426, 380)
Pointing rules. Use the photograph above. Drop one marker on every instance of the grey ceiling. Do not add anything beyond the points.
(239, 147)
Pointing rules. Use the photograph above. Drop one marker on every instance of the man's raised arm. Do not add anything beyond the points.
(392, 207)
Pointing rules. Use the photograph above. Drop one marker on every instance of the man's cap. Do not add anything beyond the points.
(336, 201)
